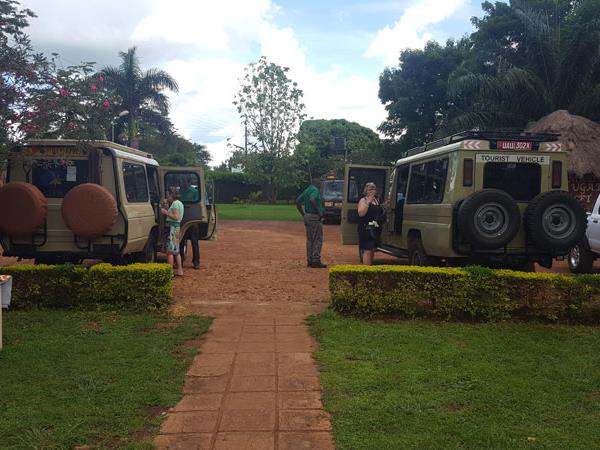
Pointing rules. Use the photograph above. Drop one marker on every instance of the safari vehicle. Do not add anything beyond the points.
(65, 201)
(490, 198)
(331, 196)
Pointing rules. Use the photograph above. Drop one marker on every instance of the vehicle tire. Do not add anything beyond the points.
(89, 210)
(489, 219)
(555, 221)
(149, 254)
(417, 256)
(183, 248)
(23, 209)
(581, 258)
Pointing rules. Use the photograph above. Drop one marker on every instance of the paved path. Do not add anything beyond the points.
(255, 384)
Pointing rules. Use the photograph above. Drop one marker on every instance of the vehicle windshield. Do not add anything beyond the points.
(332, 190)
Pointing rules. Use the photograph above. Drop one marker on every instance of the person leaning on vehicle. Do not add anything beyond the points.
(310, 206)
(189, 193)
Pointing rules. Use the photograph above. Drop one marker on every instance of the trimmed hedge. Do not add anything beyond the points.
(136, 287)
(470, 293)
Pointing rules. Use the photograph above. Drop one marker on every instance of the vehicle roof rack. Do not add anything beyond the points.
(485, 135)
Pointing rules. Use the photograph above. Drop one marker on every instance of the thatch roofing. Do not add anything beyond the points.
(579, 135)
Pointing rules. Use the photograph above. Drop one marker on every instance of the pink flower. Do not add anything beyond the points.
(105, 104)
(71, 125)
(63, 92)
(93, 88)
(100, 78)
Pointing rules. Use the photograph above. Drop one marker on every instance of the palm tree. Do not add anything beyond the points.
(141, 93)
(531, 61)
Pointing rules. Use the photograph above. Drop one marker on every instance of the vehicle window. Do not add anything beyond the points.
(136, 183)
(359, 177)
(188, 184)
(153, 183)
(56, 177)
(332, 189)
(520, 180)
(427, 181)
(402, 183)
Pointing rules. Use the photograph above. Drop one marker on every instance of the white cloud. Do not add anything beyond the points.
(412, 30)
(209, 25)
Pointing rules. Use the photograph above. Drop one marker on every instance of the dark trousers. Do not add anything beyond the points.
(192, 235)
(314, 238)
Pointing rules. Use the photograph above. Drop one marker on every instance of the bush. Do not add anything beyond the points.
(470, 293)
(136, 287)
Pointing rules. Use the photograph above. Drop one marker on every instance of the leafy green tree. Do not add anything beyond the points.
(530, 58)
(173, 149)
(67, 103)
(415, 93)
(270, 104)
(315, 150)
(141, 93)
(19, 67)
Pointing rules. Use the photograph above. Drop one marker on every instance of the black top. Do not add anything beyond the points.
(365, 238)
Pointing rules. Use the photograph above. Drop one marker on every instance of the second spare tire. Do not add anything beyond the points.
(89, 210)
(489, 219)
(555, 220)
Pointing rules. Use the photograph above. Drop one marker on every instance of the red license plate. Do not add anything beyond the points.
(513, 145)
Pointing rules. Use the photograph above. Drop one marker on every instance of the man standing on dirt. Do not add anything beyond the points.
(190, 194)
(310, 206)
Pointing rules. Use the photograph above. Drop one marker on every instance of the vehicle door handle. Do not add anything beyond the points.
(595, 221)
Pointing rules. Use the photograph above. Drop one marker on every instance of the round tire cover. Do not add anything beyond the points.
(89, 210)
(23, 209)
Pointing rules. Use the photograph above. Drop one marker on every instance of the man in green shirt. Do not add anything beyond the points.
(310, 206)
(190, 194)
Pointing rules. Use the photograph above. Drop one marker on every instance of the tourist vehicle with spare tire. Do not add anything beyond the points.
(65, 201)
(493, 198)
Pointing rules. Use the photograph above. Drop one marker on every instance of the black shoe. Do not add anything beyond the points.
(196, 266)
(318, 265)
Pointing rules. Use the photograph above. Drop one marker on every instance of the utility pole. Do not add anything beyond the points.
(246, 136)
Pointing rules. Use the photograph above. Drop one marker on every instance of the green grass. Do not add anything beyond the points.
(422, 385)
(69, 379)
(258, 212)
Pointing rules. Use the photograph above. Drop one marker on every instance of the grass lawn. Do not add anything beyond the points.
(258, 212)
(426, 385)
(70, 379)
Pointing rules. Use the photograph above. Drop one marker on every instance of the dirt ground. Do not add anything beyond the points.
(254, 266)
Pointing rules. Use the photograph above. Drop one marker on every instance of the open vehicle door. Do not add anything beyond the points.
(192, 193)
(355, 178)
(207, 231)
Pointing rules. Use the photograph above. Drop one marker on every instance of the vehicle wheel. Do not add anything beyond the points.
(581, 259)
(489, 219)
(555, 221)
(417, 256)
(149, 253)
(183, 248)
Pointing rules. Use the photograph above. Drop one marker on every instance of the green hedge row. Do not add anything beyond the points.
(469, 293)
(137, 287)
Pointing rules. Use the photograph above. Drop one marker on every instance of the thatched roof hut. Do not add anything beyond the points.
(578, 134)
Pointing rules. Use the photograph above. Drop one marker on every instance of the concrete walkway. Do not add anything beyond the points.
(254, 386)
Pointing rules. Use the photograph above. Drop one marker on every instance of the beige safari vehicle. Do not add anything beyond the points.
(491, 198)
(65, 201)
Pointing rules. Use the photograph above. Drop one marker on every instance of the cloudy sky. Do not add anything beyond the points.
(336, 49)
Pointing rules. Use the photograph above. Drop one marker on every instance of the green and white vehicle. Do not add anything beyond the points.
(493, 198)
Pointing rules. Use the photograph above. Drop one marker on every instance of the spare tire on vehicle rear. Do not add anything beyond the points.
(555, 221)
(89, 210)
(489, 219)
(23, 209)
